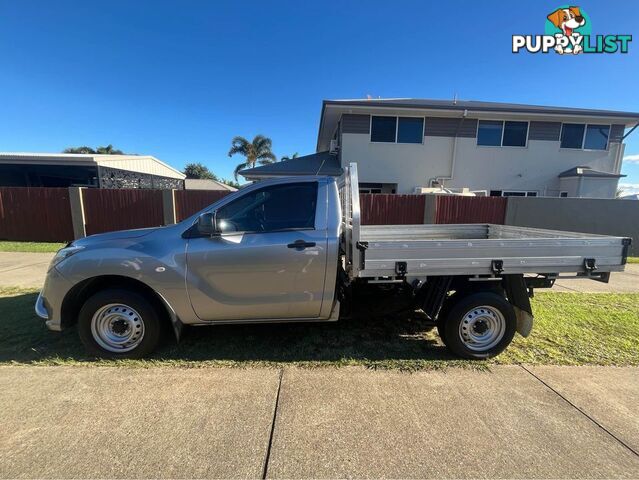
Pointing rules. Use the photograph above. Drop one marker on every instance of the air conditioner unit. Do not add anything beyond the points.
(334, 147)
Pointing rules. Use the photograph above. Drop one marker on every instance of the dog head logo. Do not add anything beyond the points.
(568, 21)
(568, 30)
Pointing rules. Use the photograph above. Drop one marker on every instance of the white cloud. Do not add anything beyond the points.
(629, 188)
(631, 158)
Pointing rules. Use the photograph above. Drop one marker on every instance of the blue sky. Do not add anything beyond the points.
(179, 79)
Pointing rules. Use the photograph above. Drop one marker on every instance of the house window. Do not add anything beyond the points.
(515, 134)
(383, 129)
(583, 136)
(572, 135)
(596, 137)
(495, 193)
(397, 129)
(489, 133)
(518, 193)
(377, 188)
(494, 133)
(410, 130)
(563, 194)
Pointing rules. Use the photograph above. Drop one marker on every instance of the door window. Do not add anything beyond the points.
(271, 209)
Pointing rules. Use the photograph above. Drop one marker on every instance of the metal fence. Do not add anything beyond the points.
(457, 209)
(187, 202)
(35, 214)
(391, 209)
(60, 214)
(106, 210)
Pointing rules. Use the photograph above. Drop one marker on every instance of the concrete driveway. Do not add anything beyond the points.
(28, 270)
(18, 269)
(514, 422)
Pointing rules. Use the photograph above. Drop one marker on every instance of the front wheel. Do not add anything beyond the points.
(117, 323)
(479, 326)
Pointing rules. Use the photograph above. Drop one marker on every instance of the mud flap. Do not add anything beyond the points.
(524, 322)
(517, 294)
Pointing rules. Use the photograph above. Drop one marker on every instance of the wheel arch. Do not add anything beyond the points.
(75, 298)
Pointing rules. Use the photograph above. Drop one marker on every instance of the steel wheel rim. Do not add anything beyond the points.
(117, 328)
(482, 328)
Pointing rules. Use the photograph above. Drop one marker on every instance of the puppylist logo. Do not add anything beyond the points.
(568, 31)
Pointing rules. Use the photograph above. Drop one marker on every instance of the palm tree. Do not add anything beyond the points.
(291, 157)
(83, 149)
(108, 150)
(256, 152)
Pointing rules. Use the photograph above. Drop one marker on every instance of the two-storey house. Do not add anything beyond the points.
(412, 145)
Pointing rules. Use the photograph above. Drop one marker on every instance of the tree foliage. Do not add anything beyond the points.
(198, 170)
(255, 152)
(231, 183)
(290, 157)
(108, 150)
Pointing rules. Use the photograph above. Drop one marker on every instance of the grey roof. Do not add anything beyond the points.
(588, 172)
(321, 163)
(206, 184)
(478, 105)
(332, 110)
(134, 163)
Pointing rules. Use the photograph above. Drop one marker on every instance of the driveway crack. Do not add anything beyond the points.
(580, 410)
(267, 458)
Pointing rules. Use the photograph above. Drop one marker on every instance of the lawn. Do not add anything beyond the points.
(39, 247)
(570, 329)
(633, 259)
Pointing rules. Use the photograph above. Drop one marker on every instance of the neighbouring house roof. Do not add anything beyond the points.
(133, 163)
(321, 163)
(333, 109)
(206, 184)
(588, 172)
(634, 196)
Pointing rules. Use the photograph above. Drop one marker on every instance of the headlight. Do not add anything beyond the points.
(63, 253)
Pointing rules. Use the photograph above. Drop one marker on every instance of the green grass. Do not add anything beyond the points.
(570, 329)
(633, 259)
(30, 246)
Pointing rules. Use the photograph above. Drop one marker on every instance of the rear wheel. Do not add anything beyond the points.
(119, 324)
(478, 326)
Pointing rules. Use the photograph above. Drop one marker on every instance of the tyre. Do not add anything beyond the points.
(118, 323)
(443, 314)
(479, 326)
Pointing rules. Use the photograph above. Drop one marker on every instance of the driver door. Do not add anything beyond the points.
(269, 261)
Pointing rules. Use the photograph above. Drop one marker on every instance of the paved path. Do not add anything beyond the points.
(18, 269)
(28, 270)
(620, 282)
(542, 422)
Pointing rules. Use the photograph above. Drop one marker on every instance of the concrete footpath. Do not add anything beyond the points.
(20, 269)
(29, 269)
(511, 422)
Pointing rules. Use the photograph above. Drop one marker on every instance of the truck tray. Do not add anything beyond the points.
(484, 249)
(469, 249)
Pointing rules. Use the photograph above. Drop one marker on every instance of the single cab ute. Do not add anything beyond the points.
(294, 250)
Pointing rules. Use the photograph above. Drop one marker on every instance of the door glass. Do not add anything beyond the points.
(280, 207)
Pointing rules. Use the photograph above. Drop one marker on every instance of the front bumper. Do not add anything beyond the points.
(48, 306)
(40, 308)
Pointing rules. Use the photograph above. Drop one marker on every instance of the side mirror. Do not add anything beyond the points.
(206, 224)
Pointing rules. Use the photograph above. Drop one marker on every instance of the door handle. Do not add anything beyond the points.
(300, 244)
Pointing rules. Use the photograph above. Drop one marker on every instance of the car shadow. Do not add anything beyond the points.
(360, 339)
